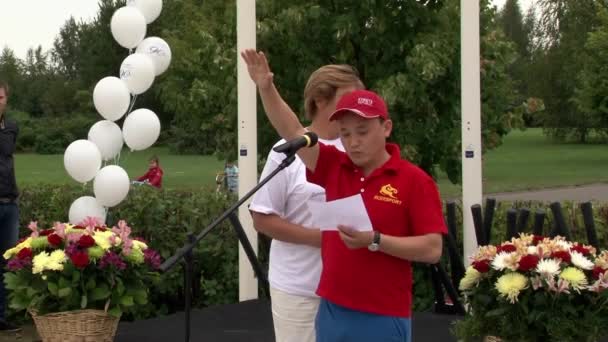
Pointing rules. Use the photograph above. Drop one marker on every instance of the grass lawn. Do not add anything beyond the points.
(526, 160)
(181, 171)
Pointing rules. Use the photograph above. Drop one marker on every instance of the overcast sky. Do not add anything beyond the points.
(29, 23)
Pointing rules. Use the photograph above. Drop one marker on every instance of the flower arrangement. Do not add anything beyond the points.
(87, 266)
(536, 288)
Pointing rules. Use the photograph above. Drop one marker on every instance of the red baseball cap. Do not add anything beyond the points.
(364, 103)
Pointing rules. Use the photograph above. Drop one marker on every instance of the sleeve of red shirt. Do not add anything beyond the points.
(156, 178)
(424, 207)
(145, 176)
(328, 160)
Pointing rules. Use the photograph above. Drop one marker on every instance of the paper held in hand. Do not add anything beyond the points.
(349, 211)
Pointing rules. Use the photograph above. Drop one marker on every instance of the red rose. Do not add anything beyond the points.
(597, 272)
(508, 248)
(580, 249)
(536, 239)
(528, 262)
(482, 266)
(78, 227)
(46, 232)
(80, 259)
(54, 239)
(563, 255)
(25, 253)
(86, 241)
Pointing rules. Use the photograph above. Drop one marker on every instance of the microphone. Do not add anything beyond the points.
(309, 139)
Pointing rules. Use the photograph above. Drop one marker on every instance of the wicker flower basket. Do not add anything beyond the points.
(76, 326)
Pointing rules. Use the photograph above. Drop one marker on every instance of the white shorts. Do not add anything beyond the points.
(293, 316)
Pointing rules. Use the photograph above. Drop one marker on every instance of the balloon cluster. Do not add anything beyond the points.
(114, 97)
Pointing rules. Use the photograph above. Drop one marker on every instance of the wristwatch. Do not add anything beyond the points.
(375, 245)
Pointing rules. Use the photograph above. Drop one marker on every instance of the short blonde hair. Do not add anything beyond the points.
(324, 82)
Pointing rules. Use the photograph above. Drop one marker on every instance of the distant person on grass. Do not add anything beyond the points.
(154, 175)
(231, 174)
(9, 210)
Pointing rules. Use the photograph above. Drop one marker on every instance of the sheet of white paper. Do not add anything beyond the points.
(349, 211)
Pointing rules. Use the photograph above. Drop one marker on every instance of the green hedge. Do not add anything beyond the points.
(164, 218)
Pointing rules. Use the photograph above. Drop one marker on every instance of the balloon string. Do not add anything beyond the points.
(132, 104)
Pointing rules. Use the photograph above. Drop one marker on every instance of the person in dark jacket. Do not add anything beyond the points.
(9, 210)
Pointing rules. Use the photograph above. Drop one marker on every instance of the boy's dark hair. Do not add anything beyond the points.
(4, 85)
(154, 159)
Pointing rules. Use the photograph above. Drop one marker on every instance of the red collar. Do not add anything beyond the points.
(392, 164)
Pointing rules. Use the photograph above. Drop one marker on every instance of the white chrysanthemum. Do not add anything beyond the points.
(532, 250)
(564, 244)
(471, 278)
(548, 267)
(581, 261)
(502, 261)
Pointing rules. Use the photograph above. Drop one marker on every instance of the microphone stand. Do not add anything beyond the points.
(186, 250)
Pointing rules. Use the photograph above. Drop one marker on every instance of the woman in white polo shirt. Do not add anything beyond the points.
(280, 211)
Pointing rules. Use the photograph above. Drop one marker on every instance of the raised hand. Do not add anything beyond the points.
(258, 68)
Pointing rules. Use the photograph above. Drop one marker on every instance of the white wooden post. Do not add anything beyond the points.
(471, 120)
(247, 141)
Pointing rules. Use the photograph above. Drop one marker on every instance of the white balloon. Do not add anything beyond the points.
(149, 8)
(111, 185)
(111, 98)
(128, 26)
(108, 138)
(82, 160)
(159, 52)
(86, 206)
(141, 129)
(137, 71)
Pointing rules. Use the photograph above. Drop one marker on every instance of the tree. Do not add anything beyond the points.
(591, 95)
(11, 70)
(563, 26)
(406, 50)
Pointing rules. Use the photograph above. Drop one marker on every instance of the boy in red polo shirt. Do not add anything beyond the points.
(366, 280)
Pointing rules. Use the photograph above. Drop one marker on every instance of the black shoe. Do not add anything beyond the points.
(7, 327)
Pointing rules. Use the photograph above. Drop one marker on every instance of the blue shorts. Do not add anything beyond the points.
(336, 323)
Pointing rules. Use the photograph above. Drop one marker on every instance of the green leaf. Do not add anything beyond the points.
(91, 284)
(126, 301)
(52, 288)
(11, 281)
(140, 296)
(496, 312)
(76, 277)
(64, 292)
(63, 283)
(115, 311)
(100, 293)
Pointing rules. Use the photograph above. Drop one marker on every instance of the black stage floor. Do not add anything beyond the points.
(249, 321)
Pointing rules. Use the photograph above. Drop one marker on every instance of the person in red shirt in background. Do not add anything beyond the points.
(154, 175)
(366, 280)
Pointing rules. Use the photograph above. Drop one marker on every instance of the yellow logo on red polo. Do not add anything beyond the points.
(388, 193)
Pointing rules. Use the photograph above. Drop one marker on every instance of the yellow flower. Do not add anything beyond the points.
(39, 262)
(56, 261)
(471, 278)
(574, 276)
(102, 239)
(45, 261)
(509, 285)
(139, 245)
(27, 243)
(136, 256)
(96, 252)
